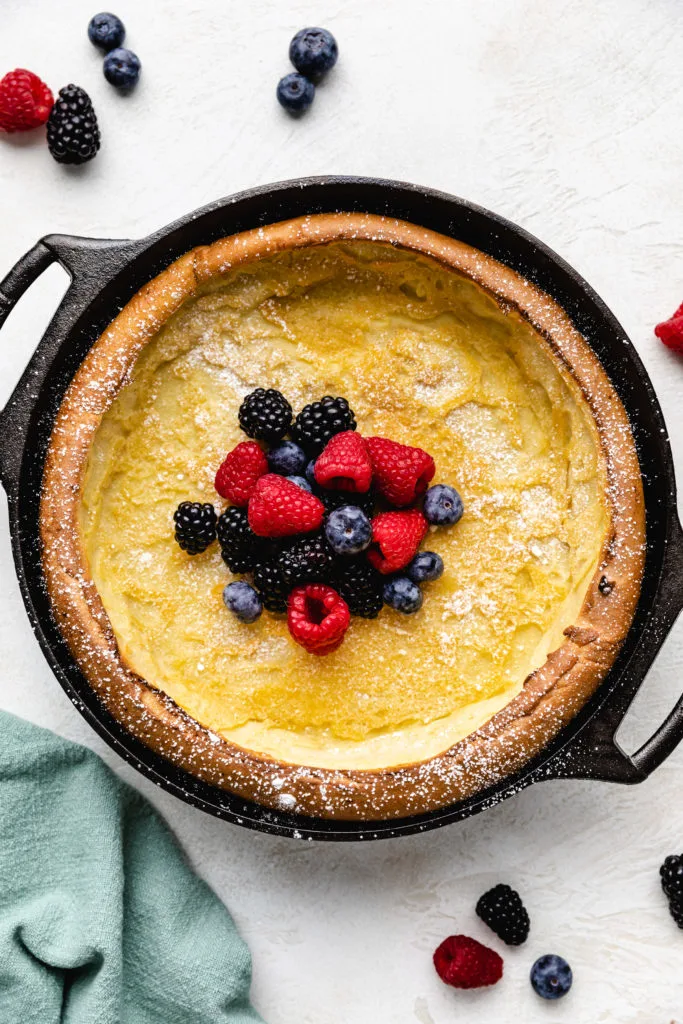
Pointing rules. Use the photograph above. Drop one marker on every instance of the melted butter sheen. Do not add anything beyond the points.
(424, 356)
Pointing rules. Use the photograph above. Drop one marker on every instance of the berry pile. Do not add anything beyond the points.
(328, 523)
(313, 52)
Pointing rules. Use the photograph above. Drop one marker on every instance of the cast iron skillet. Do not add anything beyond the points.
(104, 276)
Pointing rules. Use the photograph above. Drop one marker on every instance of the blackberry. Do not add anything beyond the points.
(265, 415)
(361, 586)
(333, 500)
(676, 911)
(240, 547)
(73, 136)
(307, 560)
(319, 421)
(501, 908)
(671, 874)
(195, 526)
(271, 586)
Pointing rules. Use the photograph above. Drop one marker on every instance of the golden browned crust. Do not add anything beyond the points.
(551, 696)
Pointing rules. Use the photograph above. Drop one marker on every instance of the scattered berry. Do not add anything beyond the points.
(318, 618)
(551, 977)
(106, 31)
(403, 595)
(676, 911)
(396, 536)
(243, 601)
(344, 464)
(122, 68)
(362, 588)
(319, 421)
(265, 415)
(348, 530)
(313, 51)
(240, 547)
(443, 505)
(671, 331)
(279, 508)
(307, 560)
(300, 481)
(425, 567)
(73, 136)
(671, 874)
(25, 101)
(195, 526)
(466, 963)
(337, 499)
(501, 908)
(287, 459)
(239, 471)
(271, 586)
(295, 93)
(401, 473)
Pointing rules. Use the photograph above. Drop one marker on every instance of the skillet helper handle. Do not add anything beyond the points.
(596, 754)
(91, 264)
(22, 275)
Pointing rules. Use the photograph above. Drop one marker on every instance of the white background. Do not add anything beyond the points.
(566, 117)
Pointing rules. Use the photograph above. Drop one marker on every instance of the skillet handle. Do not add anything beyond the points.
(596, 754)
(22, 275)
(91, 263)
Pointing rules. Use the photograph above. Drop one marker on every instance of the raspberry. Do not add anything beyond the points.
(317, 618)
(501, 908)
(401, 473)
(271, 586)
(25, 101)
(307, 560)
(396, 536)
(465, 963)
(240, 547)
(671, 331)
(195, 526)
(73, 136)
(279, 508)
(265, 415)
(344, 464)
(671, 874)
(319, 421)
(239, 471)
(361, 586)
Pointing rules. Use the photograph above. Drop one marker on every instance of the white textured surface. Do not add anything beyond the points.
(564, 117)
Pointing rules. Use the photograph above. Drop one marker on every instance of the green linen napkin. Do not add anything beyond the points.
(101, 919)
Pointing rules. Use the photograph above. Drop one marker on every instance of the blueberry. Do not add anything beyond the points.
(122, 68)
(403, 595)
(106, 31)
(287, 459)
(300, 481)
(313, 51)
(425, 567)
(295, 93)
(551, 977)
(310, 471)
(348, 530)
(443, 505)
(243, 601)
